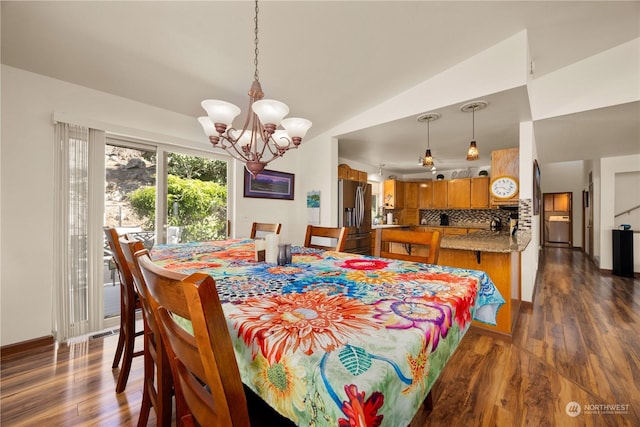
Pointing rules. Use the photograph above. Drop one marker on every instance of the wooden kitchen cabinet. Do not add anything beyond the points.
(427, 228)
(425, 195)
(556, 202)
(393, 194)
(504, 271)
(480, 192)
(409, 216)
(345, 172)
(454, 231)
(548, 202)
(459, 193)
(440, 194)
(410, 195)
(505, 163)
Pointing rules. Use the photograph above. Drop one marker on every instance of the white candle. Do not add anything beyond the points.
(272, 241)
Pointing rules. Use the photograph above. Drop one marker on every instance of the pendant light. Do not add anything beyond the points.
(258, 142)
(427, 160)
(473, 153)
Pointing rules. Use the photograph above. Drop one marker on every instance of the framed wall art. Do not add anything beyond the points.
(269, 184)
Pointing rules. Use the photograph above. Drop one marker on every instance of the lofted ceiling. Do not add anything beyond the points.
(331, 60)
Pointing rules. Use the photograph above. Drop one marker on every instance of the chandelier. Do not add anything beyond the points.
(259, 142)
(427, 160)
(473, 153)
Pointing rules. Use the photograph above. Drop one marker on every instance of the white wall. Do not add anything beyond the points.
(566, 177)
(247, 210)
(628, 197)
(501, 67)
(28, 104)
(529, 258)
(589, 84)
(610, 167)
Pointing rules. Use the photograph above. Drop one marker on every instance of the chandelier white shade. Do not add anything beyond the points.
(258, 142)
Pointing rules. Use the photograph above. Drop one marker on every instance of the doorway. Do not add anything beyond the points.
(558, 224)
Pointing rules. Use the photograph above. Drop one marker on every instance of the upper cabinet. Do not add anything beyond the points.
(411, 195)
(504, 185)
(393, 194)
(558, 202)
(345, 172)
(480, 192)
(440, 194)
(459, 193)
(425, 195)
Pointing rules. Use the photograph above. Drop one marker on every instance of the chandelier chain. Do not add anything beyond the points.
(473, 122)
(255, 41)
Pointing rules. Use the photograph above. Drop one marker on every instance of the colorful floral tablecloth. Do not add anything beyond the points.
(339, 339)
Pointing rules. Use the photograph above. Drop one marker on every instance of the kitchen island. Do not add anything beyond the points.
(498, 254)
(475, 247)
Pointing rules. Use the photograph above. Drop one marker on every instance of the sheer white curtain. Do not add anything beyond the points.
(78, 238)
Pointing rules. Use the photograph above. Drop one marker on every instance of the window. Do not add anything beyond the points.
(193, 206)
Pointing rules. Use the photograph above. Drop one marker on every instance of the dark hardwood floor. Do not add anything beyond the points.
(580, 342)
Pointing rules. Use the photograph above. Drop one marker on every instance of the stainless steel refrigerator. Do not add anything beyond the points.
(354, 212)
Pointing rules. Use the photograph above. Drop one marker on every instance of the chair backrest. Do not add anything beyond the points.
(126, 278)
(325, 233)
(263, 227)
(417, 240)
(204, 367)
(158, 383)
(128, 248)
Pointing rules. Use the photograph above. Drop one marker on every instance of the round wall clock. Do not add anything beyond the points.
(504, 187)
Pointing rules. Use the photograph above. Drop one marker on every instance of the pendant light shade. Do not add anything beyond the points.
(427, 160)
(473, 153)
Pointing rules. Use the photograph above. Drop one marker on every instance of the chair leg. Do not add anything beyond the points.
(118, 355)
(148, 396)
(129, 342)
(145, 408)
(165, 387)
(121, 337)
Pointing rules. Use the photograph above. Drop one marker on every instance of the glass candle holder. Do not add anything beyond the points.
(282, 254)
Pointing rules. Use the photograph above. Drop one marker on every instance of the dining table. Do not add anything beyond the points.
(334, 338)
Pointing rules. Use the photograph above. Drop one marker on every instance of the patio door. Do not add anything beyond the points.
(158, 195)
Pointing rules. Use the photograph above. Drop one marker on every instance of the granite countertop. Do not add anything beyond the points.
(388, 226)
(488, 241)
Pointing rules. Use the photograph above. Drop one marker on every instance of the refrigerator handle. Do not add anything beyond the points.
(359, 207)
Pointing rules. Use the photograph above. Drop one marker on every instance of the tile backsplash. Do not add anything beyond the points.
(462, 217)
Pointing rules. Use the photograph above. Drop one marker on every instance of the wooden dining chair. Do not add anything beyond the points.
(339, 233)
(209, 391)
(129, 305)
(157, 385)
(415, 243)
(197, 360)
(260, 228)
